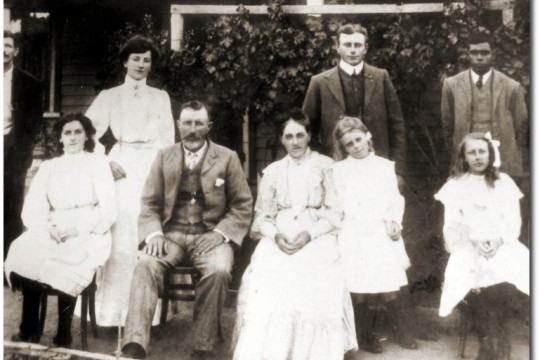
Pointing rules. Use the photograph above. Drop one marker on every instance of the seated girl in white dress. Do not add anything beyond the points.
(370, 242)
(68, 211)
(293, 303)
(488, 266)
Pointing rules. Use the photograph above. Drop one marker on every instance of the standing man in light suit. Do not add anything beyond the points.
(196, 204)
(357, 89)
(482, 99)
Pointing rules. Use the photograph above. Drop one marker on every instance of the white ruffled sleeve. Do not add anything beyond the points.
(266, 207)
(36, 209)
(455, 232)
(99, 113)
(105, 191)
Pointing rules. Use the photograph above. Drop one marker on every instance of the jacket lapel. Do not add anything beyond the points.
(369, 85)
(334, 85)
(497, 89)
(176, 164)
(209, 158)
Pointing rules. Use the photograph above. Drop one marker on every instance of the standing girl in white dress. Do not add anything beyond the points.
(68, 212)
(141, 121)
(488, 266)
(370, 242)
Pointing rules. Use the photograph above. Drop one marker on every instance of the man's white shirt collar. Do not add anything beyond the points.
(485, 77)
(198, 154)
(349, 69)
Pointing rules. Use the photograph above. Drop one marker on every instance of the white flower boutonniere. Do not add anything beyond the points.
(219, 182)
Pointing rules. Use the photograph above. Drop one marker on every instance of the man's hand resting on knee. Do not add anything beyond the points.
(156, 246)
(207, 242)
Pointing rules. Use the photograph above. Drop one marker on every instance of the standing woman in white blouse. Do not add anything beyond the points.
(141, 121)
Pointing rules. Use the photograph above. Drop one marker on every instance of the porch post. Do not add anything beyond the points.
(177, 31)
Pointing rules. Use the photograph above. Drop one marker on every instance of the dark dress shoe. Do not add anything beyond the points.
(63, 341)
(372, 344)
(201, 355)
(20, 337)
(133, 350)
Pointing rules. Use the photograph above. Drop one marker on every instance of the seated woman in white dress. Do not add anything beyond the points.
(293, 302)
(488, 266)
(370, 242)
(68, 212)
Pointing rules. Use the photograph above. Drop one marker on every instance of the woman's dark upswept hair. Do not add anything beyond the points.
(345, 125)
(86, 123)
(296, 115)
(461, 167)
(138, 45)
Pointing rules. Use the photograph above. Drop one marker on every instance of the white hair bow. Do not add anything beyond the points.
(496, 144)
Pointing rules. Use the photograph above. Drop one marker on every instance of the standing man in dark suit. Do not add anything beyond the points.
(196, 204)
(354, 88)
(22, 124)
(482, 99)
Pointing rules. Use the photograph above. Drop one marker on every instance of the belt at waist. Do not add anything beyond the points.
(73, 207)
(136, 144)
(192, 229)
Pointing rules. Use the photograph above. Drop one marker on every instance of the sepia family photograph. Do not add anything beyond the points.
(267, 179)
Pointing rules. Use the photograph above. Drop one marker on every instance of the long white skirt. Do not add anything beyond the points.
(114, 279)
(294, 307)
(467, 270)
(69, 266)
(374, 263)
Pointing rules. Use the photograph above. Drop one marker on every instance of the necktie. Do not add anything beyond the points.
(191, 160)
(479, 82)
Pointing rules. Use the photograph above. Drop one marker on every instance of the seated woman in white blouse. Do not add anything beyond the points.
(488, 266)
(68, 212)
(293, 303)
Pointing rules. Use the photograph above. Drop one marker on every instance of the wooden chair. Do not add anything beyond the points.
(176, 288)
(464, 315)
(88, 304)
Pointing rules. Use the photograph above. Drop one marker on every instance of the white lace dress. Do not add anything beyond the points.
(293, 306)
(69, 191)
(367, 194)
(473, 210)
(142, 123)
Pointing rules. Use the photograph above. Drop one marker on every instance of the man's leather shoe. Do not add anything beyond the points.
(20, 337)
(202, 355)
(133, 350)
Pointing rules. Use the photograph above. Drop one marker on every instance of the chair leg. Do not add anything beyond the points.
(84, 314)
(92, 303)
(463, 331)
(42, 313)
(165, 300)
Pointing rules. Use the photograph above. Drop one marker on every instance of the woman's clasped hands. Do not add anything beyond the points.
(61, 235)
(487, 248)
(291, 246)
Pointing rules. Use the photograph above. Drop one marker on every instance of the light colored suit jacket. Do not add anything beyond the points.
(228, 200)
(509, 111)
(324, 104)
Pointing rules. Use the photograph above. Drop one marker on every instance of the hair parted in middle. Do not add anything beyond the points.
(460, 166)
(294, 115)
(86, 123)
(345, 125)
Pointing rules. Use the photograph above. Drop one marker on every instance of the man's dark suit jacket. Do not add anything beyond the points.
(18, 148)
(324, 104)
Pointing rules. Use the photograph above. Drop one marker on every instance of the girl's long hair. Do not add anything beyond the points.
(461, 167)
